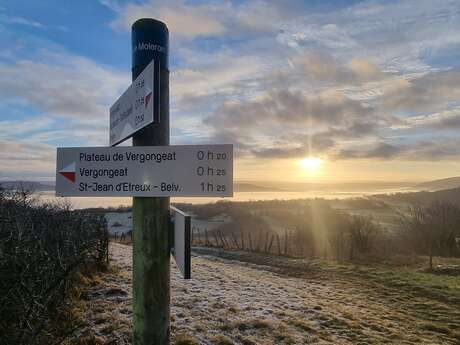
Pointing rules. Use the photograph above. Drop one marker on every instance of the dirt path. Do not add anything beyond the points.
(233, 302)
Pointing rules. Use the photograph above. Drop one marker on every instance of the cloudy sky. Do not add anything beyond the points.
(371, 89)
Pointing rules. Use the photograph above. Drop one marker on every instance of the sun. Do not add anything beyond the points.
(311, 163)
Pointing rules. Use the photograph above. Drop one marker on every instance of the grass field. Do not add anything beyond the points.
(247, 298)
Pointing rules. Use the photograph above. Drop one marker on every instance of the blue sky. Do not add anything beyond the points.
(370, 87)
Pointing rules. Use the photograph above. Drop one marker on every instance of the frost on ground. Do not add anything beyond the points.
(236, 302)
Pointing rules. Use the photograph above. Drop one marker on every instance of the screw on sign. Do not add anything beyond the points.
(150, 171)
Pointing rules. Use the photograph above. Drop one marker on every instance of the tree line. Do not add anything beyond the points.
(314, 229)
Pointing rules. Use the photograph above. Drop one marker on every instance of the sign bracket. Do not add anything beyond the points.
(181, 240)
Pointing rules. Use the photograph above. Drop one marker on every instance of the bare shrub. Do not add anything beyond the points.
(361, 231)
(42, 247)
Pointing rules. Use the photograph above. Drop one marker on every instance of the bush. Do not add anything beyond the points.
(42, 247)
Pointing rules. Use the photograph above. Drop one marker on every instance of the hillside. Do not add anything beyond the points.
(252, 187)
(28, 185)
(445, 183)
(446, 195)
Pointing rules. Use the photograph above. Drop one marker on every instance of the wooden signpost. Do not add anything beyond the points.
(151, 171)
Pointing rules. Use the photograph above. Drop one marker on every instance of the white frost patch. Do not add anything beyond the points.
(251, 305)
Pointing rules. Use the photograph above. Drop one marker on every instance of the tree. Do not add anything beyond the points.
(361, 231)
(433, 229)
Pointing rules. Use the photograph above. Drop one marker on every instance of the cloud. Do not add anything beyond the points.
(295, 146)
(286, 107)
(324, 143)
(184, 20)
(365, 70)
(24, 21)
(21, 160)
(339, 73)
(431, 92)
(380, 151)
(207, 74)
(399, 35)
(290, 123)
(208, 18)
(17, 20)
(10, 128)
(77, 88)
(323, 67)
(421, 150)
(70, 96)
(443, 120)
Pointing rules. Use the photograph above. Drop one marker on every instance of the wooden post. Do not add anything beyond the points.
(250, 241)
(222, 240)
(151, 290)
(215, 237)
(206, 237)
(286, 243)
(270, 244)
(279, 244)
(242, 240)
(234, 240)
(266, 242)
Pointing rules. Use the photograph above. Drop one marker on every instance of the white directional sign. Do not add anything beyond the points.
(183, 170)
(135, 108)
(181, 245)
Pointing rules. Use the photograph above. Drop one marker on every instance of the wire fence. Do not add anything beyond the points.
(261, 241)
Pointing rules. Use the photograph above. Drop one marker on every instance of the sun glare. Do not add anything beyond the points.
(311, 163)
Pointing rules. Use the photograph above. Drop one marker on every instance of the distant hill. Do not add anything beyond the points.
(445, 183)
(28, 185)
(283, 186)
(446, 195)
(251, 187)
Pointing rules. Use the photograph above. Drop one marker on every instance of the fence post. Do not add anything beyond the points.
(270, 245)
(286, 243)
(258, 240)
(222, 239)
(279, 244)
(206, 238)
(266, 242)
(217, 240)
(234, 240)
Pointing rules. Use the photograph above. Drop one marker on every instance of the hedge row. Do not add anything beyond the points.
(42, 247)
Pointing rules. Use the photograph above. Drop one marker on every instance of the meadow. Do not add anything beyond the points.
(247, 298)
(341, 271)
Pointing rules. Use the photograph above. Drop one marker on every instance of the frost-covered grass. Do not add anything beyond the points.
(442, 283)
(255, 299)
